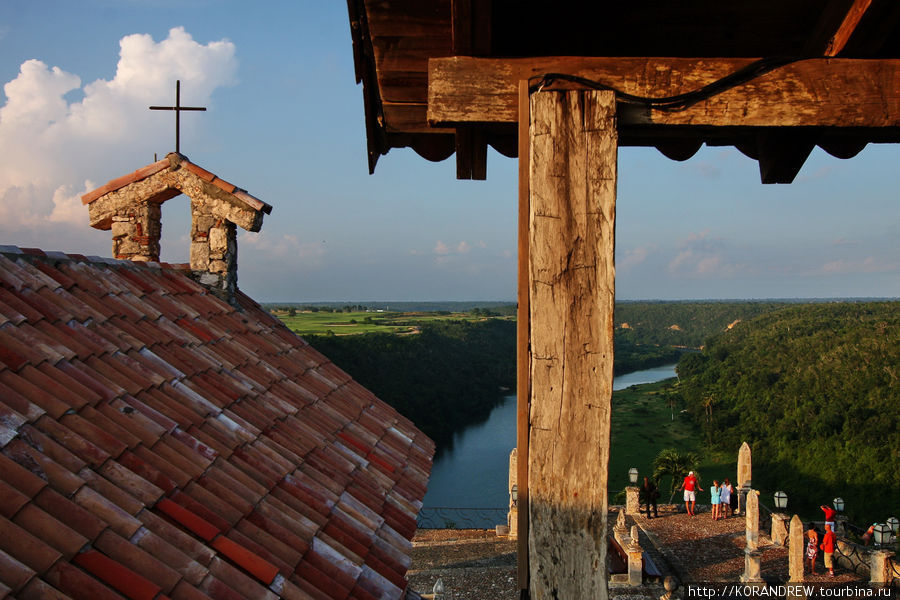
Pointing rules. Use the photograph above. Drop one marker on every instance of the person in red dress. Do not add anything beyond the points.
(690, 486)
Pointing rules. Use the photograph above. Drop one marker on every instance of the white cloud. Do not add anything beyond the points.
(50, 144)
(441, 248)
(866, 265)
(285, 246)
(702, 256)
(636, 256)
(463, 247)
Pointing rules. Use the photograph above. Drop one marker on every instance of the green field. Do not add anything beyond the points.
(352, 323)
(642, 425)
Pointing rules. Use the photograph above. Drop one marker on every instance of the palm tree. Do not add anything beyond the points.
(671, 462)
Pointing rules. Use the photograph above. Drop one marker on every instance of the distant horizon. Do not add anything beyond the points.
(509, 302)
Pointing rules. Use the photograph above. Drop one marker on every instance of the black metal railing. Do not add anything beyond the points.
(854, 555)
(765, 518)
(894, 573)
(461, 518)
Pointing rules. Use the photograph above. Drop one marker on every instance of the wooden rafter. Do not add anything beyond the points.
(470, 21)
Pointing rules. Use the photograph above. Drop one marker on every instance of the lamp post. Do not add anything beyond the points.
(781, 500)
(839, 504)
(882, 534)
(894, 524)
(632, 493)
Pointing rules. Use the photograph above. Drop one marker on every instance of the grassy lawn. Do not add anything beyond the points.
(642, 425)
(351, 323)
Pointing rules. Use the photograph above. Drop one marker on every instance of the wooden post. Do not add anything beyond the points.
(523, 339)
(572, 191)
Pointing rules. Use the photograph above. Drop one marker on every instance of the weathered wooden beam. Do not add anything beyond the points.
(815, 92)
(572, 192)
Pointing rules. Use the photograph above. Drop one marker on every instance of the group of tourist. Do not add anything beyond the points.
(724, 502)
(722, 498)
(828, 542)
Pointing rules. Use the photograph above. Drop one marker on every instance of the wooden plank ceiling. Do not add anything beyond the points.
(393, 41)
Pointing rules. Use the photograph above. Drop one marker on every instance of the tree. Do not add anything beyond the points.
(292, 312)
(671, 462)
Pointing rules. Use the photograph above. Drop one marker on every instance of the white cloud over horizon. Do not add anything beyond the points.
(50, 143)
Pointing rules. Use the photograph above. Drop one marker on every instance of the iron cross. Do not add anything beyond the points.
(178, 108)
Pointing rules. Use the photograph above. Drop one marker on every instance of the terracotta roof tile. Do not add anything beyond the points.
(278, 472)
(76, 517)
(121, 522)
(51, 530)
(261, 569)
(78, 584)
(138, 560)
(217, 505)
(63, 434)
(174, 558)
(185, 591)
(188, 519)
(280, 566)
(26, 548)
(192, 547)
(280, 552)
(17, 352)
(238, 581)
(11, 500)
(214, 443)
(117, 576)
(132, 483)
(43, 461)
(201, 510)
(13, 574)
(309, 573)
(148, 472)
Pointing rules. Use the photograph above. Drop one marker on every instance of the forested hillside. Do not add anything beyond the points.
(446, 377)
(815, 391)
(682, 324)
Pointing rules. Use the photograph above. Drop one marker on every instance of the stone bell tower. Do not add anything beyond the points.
(131, 207)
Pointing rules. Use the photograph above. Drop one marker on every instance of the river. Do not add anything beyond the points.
(474, 472)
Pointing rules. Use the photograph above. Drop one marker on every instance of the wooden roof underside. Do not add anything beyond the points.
(395, 43)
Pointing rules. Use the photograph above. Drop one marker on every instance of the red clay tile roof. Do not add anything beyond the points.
(159, 443)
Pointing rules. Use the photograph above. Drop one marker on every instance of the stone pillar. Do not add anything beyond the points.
(632, 500)
(744, 475)
(840, 525)
(512, 518)
(880, 573)
(796, 550)
(779, 528)
(572, 155)
(635, 559)
(752, 566)
(620, 531)
(136, 229)
(213, 251)
(752, 554)
(751, 521)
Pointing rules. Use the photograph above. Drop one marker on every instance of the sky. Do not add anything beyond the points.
(285, 121)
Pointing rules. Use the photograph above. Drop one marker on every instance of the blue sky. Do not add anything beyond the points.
(285, 122)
